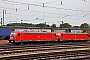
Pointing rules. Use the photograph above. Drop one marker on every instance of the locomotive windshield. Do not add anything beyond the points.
(12, 34)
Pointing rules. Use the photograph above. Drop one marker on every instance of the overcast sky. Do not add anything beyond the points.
(74, 12)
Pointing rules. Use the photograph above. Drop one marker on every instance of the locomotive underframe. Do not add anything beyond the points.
(43, 41)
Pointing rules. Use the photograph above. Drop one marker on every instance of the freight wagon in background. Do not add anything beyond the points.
(5, 32)
(32, 30)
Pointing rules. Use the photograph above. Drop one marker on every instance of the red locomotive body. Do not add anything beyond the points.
(33, 36)
(46, 36)
(74, 36)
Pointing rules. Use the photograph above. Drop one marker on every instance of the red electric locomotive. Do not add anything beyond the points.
(74, 37)
(18, 37)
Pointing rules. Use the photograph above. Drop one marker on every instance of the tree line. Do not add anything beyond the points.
(64, 25)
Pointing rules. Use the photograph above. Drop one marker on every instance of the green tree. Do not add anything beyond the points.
(14, 24)
(53, 25)
(76, 26)
(65, 25)
(47, 25)
(28, 25)
(84, 25)
(42, 25)
(21, 24)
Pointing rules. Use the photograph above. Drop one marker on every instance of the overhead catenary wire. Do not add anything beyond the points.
(28, 8)
(45, 6)
(39, 12)
(16, 9)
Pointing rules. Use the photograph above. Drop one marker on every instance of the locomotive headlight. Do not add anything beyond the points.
(57, 34)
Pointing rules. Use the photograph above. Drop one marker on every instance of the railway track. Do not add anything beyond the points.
(63, 51)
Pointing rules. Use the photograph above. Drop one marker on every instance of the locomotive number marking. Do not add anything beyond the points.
(38, 36)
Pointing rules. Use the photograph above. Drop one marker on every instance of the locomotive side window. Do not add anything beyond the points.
(18, 34)
(62, 34)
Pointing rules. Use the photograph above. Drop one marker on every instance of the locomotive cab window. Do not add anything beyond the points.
(12, 34)
(18, 34)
